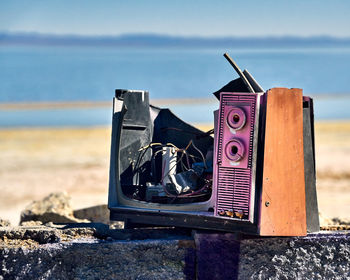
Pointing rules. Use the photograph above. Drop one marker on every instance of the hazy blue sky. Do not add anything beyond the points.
(203, 18)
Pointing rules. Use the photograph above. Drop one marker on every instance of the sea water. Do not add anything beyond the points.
(65, 74)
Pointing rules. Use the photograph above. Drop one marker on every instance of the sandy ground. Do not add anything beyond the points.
(36, 162)
(333, 168)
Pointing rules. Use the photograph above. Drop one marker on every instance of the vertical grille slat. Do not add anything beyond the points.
(233, 194)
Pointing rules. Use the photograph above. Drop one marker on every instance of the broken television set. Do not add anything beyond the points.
(166, 172)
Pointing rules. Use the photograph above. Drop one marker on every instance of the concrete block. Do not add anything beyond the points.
(83, 251)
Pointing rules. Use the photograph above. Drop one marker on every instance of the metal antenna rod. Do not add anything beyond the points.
(239, 72)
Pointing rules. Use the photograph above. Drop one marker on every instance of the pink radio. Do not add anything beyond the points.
(236, 155)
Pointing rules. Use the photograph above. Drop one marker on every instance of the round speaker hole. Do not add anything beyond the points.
(234, 150)
(236, 118)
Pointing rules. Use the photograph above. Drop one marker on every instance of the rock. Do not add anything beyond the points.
(4, 223)
(341, 221)
(324, 221)
(73, 233)
(28, 236)
(34, 235)
(54, 208)
(31, 223)
(96, 214)
(334, 224)
(116, 225)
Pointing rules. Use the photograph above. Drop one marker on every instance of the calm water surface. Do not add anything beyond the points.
(30, 74)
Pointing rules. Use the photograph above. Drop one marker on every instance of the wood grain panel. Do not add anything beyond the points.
(283, 189)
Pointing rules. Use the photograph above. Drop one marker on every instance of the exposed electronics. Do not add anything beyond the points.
(256, 175)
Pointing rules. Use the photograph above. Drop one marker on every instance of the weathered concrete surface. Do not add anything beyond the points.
(97, 252)
(76, 251)
(91, 259)
(318, 256)
(324, 256)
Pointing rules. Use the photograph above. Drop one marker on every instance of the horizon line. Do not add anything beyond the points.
(175, 36)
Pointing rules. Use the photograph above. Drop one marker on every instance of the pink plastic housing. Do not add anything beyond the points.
(233, 163)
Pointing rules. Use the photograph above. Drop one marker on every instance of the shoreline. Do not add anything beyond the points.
(204, 126)
(47, 105)
(90, 114)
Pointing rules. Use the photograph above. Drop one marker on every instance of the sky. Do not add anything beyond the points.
(205, 18)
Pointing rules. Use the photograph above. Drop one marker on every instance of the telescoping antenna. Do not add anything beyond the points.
(239, 72)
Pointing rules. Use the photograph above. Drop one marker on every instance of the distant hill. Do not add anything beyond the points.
(162, 41)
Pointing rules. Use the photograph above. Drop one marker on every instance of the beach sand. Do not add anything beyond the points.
(36, 162)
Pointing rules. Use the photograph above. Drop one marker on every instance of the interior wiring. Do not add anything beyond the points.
(184, 160)
(200, 152)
